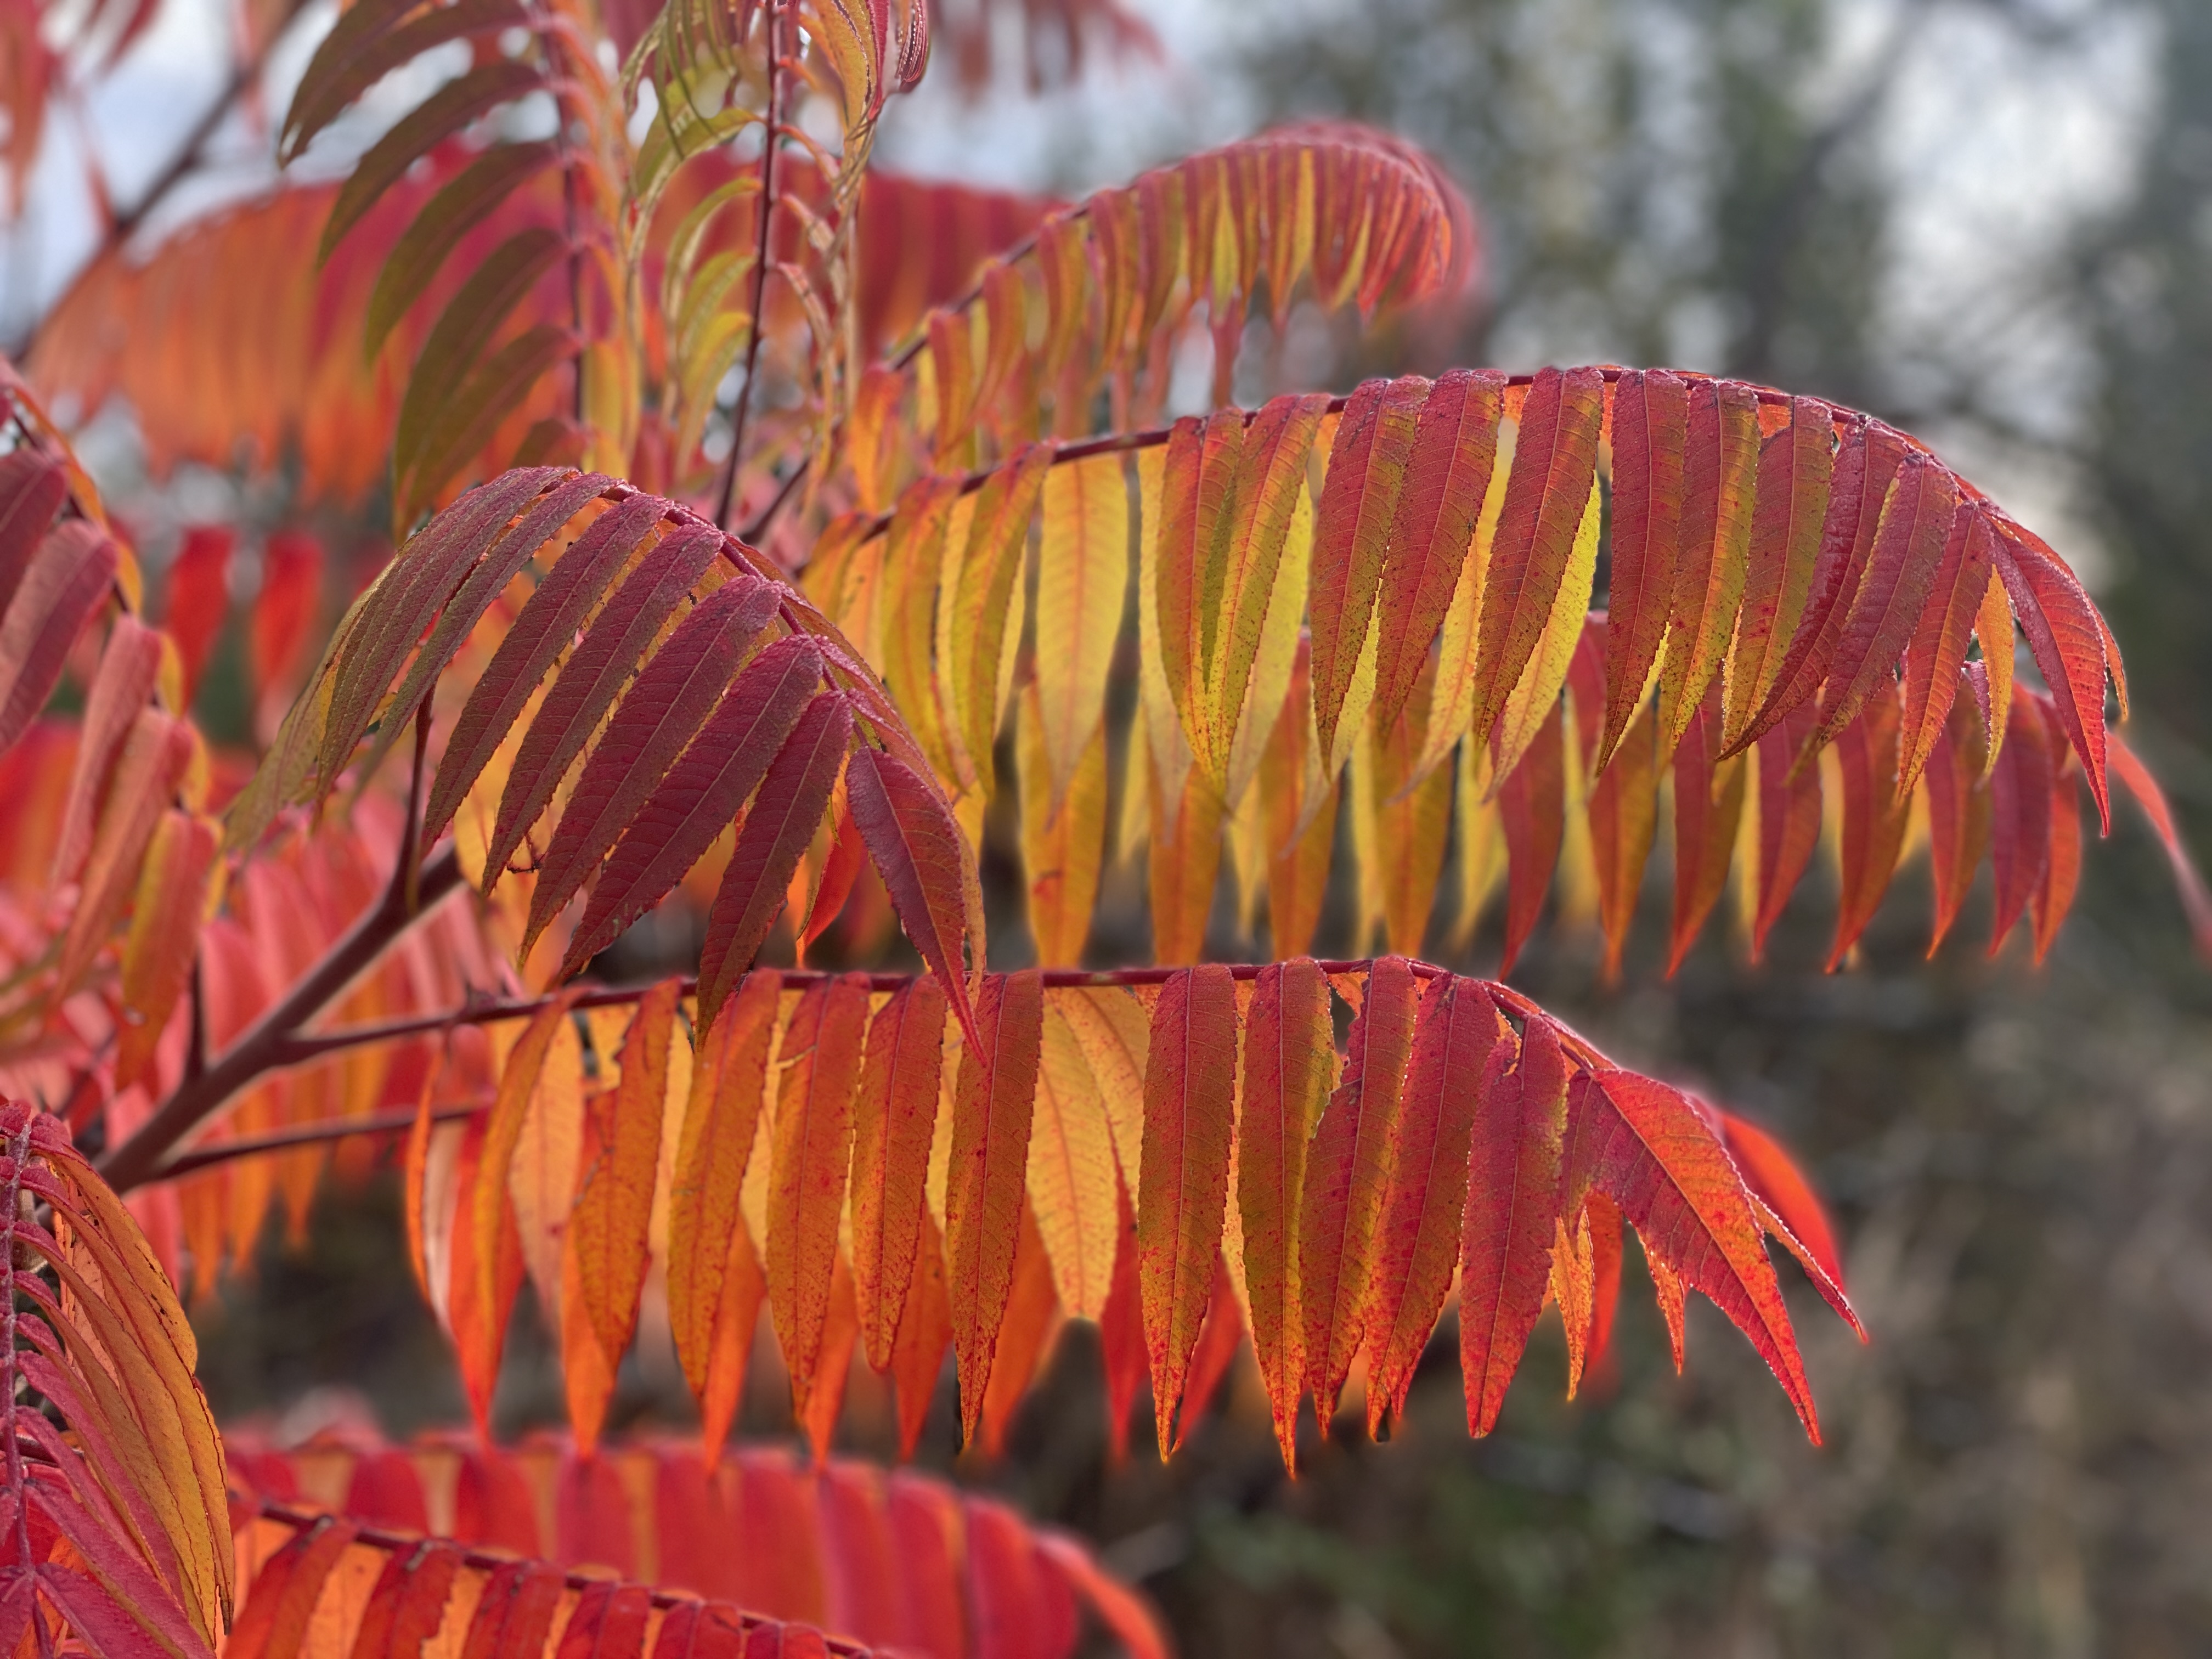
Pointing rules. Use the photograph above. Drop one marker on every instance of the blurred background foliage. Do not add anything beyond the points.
(2020, 1463)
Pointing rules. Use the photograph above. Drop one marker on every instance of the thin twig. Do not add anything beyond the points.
(772, 22)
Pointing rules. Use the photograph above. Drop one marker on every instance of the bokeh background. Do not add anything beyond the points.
(1987, 221)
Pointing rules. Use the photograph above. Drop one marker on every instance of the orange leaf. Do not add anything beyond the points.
(1191, 1096)
(719, 1127)
(894, 1116)
(1032, 1316)
(996, 1096)
(823, 1397)
(1512, 1208)
(172, 900)
(491, 1209)
(925, 1332)
(607, 1230)
(820, 1061)
(1290, 1054)
(1346, 1168)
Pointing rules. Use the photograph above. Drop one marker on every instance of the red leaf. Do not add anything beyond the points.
(285, 610)
(614, 643)
(33, 487)
(609, 1622)
(275, 1618)
(777, 828)
(515, 1613)
(2066, 639)
(1876, 809)
(2061, 871)
(1789, 818)
(1647, 1146)
(1775, 1179)
(1910, 538)
(1938, 648)
(1602, 1217)
(1533, 805)
(1554, 461)
(1190, 1094)
(1222, 1334)
(1032, 1316)
(666, 704)
(1865, 466)
(1417, 1240)
(1512, 1205)
(1708, 802)
(1624, 820)
(996, 1096)
(925, 1332)
(1650, 434)
(1957, 813)
(546, 626)
(1367, 467)
(1721, 469)
(702, 793)
(67, 579)
(198, 598)
(1122, 1329)
(164, 941)
(1290, 1054)
(1795, 469)
(2020, 813)
(1447, 471)
(922, 856)
(407, 598)
(1119, 1607)
(2195, 899)
(1346, 1170)
(408, 1605)
(129, 666)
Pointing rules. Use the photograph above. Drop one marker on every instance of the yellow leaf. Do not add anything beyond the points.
(1539, 689)
(1083, 579)
(1071, 1170)
(1451, 696)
